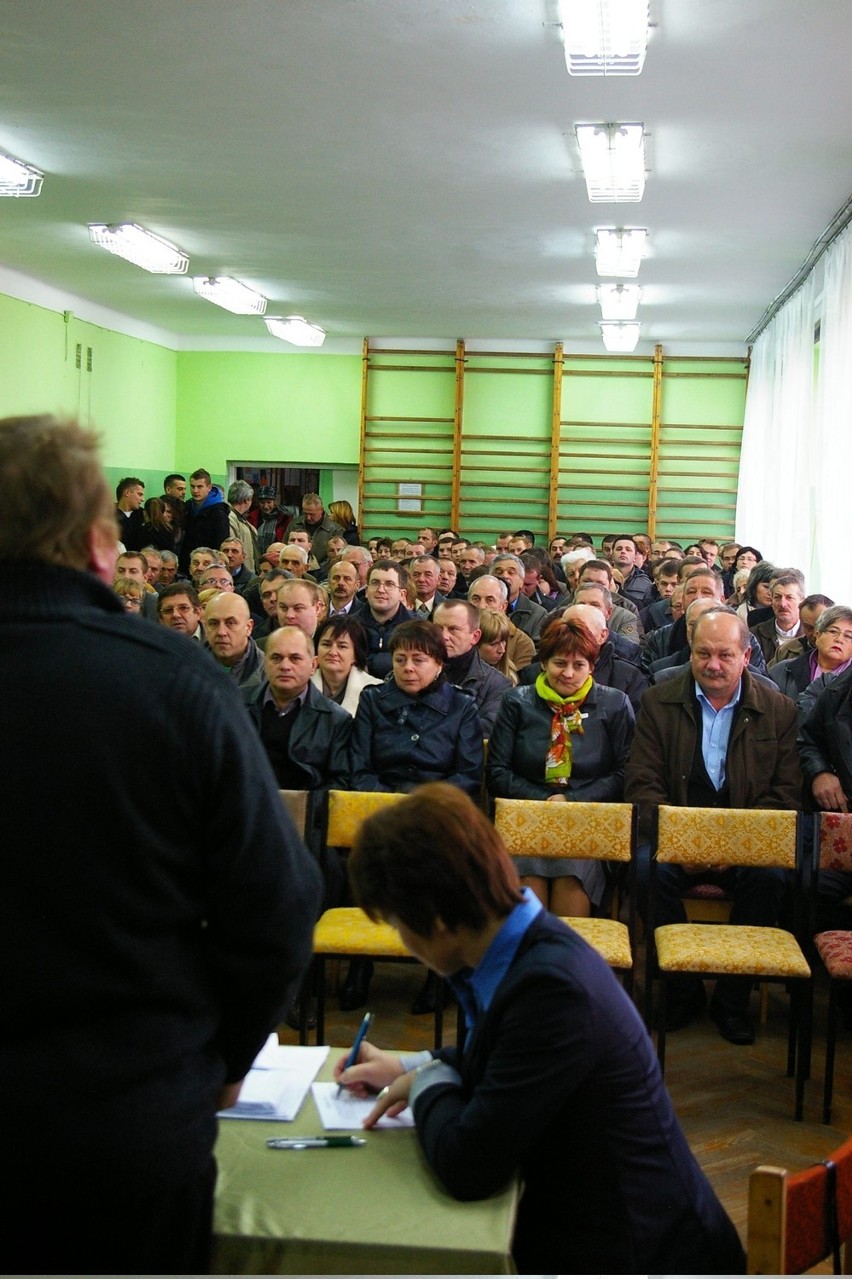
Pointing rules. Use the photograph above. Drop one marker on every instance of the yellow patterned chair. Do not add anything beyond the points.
(732, 837)
(596, 832)
(345, 932)
(832, 851)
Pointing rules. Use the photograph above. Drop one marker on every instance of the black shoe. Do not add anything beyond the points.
(681, 1011)
(356, 989)
(737, 1028)
(294, 1015)
(427, 999)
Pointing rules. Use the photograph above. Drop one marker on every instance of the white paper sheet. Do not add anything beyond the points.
(278, 1082)
(347, 1111)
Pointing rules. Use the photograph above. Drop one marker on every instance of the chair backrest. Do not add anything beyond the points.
(593, 832)
(727, 836)
(835, 841)
(797, 1220)
(348, 809)
(298, 805)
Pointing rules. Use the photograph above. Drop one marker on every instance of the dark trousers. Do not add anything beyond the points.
(107, 1229)
(757, 893)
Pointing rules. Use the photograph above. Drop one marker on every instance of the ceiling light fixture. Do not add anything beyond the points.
(604, 37)
(17, 178)
(295, 329)
(619, 250)
(618, 301)
(620, 336)
(230, 294)
(613, 157)
(141, 247)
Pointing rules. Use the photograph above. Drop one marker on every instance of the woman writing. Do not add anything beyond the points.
(562, 738)
(341, 673)
(555, 1081)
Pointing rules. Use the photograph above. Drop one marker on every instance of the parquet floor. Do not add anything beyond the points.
(735, 1103)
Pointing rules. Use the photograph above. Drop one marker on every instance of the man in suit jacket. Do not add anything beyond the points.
(527, 616)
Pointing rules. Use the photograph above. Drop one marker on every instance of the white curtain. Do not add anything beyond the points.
(832, 436)
(775, 492)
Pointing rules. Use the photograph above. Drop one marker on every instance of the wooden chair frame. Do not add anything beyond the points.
(797, 1220)
(821, 858)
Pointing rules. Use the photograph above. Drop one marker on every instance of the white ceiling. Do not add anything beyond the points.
(392, 168)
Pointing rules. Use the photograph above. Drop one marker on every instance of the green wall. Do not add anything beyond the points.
(128, 393)
(159, 410)
(267, 408)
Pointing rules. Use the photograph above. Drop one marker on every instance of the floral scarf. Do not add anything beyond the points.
(566, 720)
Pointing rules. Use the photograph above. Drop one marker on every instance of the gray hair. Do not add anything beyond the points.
(168, 557)
(240, 492)
(580, 555)
(489, 577)
(364, 551)
(516, 559)
(294, 546)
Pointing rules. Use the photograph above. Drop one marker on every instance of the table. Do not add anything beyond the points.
(378, 1210)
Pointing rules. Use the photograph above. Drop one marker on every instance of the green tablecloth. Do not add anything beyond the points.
(377, 1210)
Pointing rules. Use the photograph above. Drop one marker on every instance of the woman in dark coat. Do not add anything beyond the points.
(416, 727)
(563, 739)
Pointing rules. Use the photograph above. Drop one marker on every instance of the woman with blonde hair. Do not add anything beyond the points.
(343, 515)
(493, 643)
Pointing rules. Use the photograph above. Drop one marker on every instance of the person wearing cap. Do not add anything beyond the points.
(273, 521)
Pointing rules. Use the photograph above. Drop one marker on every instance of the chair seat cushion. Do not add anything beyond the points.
(346, 930)
(607, 936)
(835, 950)
(729, 948)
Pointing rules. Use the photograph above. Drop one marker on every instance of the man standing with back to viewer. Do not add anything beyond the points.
(146, 950)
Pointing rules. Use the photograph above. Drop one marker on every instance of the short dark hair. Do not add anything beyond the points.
(201, 474)
(344, 624)
(527, 534)
(129, 482)
(178, 588)
(626, 537)
(421, 637)
(386, 565)
(560, 636)
(170, 479)
(665, 568)
(133, 555)
(752, 550)
(816, 601)
(433, 856)
(597, 565)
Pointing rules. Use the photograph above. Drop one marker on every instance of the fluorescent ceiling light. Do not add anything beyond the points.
(604, 37)
(17, 178)
(141, 247)
(619, 336)
(618, 250)
(230, 294)
(613, 157)
(295, 329)
(618, 301)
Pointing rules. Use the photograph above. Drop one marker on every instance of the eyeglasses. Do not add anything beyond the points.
(183, 609)
(836, 633)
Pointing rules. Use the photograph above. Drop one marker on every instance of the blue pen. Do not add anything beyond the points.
(359, 1039)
